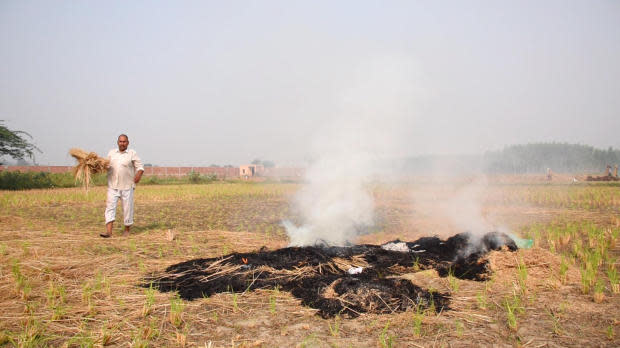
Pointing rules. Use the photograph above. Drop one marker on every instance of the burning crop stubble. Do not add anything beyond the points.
(339, 280)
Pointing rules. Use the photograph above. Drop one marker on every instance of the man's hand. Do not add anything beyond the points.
(138, 176)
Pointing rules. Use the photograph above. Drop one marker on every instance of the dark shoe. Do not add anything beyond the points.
(105, 235)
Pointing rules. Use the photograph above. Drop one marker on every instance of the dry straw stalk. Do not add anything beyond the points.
(88, 163)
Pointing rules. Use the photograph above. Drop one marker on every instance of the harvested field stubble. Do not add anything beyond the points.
(62, 285)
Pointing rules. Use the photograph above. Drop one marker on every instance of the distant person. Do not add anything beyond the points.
(549, 174)
(125, 172)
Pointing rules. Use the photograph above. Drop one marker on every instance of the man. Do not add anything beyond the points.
(124, 173)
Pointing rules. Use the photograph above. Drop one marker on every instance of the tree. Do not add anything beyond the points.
(14, 144)
(266, 164)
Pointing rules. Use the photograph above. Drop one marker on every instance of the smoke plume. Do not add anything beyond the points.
(369, 126)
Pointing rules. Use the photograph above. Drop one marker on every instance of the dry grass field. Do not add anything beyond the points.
(63, 285)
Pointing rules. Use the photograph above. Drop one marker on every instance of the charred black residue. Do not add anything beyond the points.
(325, 278)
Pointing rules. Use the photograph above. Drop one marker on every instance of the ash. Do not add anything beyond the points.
(345, 281)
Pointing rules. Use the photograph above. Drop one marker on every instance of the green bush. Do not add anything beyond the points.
(36, 180)
(197, 178)
(23, 181)
(167, 180)
(150, 180)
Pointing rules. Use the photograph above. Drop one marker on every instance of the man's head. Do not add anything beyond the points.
(123, 142)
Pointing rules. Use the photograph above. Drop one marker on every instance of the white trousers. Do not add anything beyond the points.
(126, 197)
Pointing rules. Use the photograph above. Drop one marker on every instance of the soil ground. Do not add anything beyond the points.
(62, 285)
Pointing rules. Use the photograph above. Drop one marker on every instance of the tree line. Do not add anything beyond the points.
(559, 157)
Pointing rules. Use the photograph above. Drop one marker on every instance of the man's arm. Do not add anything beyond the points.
(136, 179)
(137, 163)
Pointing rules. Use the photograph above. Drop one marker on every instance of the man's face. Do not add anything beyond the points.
(123, 142)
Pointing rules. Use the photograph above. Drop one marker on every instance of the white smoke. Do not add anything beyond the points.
(370, 126)
(459, 204)
(335, 204)
(464, 208)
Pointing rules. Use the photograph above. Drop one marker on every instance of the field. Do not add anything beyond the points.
(63, 285)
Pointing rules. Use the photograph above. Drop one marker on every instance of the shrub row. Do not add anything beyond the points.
(36, 180)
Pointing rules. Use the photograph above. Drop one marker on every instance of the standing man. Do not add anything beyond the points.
(124, 173)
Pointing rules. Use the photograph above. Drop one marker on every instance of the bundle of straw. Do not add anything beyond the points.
(89, 163)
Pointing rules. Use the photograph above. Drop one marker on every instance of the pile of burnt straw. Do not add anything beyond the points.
(346, 281)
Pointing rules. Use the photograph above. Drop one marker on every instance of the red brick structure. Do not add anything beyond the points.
(220, 172)
(251, 170)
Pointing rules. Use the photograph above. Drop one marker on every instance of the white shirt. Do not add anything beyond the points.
(123, 167)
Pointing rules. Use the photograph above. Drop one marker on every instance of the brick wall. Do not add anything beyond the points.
(181, 171)
(221, 172)
(277, 172)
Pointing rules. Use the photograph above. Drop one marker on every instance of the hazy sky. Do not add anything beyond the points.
(201, 82)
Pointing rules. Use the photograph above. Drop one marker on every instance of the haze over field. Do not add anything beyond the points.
(195, 83)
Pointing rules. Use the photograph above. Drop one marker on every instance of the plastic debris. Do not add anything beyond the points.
(396, 246)
(355, 270)
(522, 243)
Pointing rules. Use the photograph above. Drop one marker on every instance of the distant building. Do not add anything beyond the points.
(251, 170)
